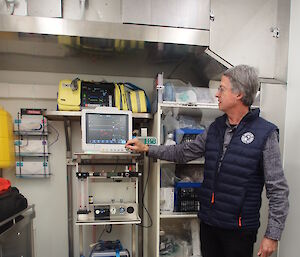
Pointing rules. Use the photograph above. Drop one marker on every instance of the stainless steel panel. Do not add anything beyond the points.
(164, 13)
(193, 13)
(57, 26)
(178, 13)
(44, 8)
(95, 10)
(136, 11)
(17, 239)
(86, 55)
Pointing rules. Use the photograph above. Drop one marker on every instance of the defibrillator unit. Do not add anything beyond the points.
(68, 98)
(97, 94)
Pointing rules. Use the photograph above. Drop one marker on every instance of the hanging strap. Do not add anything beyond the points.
(134, 87)
(118, 100)
(117, 253)
(124, 97)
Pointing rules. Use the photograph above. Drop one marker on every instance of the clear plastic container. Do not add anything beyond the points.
(188, 94)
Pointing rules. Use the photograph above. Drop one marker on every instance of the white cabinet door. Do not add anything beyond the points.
(136, 11)
(193, 14)
(95, 10)
(164, 13)
(240, 33)
(172, 13)
(44, 8)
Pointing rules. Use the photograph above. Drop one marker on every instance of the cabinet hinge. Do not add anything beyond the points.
(212, 16)
(275, 31)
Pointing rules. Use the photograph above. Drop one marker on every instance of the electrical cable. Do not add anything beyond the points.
(27, 142)
(57, 133)
(107, 229)
(143, 205)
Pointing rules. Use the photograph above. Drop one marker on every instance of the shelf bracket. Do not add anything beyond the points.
(68, 134)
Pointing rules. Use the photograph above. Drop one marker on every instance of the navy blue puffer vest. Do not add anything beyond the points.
(231, 195)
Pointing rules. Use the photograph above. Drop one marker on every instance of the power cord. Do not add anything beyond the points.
(144, 191)
(57, 135)
(107, 229)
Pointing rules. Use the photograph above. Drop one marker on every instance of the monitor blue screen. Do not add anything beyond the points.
(106, 128)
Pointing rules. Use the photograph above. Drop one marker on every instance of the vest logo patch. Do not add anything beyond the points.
(247, 138)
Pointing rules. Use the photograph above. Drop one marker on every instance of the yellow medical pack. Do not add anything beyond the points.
(132, 98)
(138, 101)
(7, 149)
(68, 98)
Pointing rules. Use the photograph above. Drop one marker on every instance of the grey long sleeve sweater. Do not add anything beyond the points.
(277, 190)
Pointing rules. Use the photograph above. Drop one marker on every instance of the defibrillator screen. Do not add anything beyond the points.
(106, 128)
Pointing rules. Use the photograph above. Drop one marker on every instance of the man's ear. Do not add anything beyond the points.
(239, 96)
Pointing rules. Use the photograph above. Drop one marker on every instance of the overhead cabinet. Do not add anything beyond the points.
(248, 32)
(173, 13)
(93, 10)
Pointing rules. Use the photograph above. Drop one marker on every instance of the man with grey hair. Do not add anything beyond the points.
(242, 155)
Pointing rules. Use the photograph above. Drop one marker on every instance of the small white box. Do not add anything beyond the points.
(144, 132)
(31, 146)
(32, 168)
(31, 123)
(167, 199)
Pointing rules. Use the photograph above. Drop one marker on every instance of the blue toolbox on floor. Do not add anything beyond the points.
(109, 249)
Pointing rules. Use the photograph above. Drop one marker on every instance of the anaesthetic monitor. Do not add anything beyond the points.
(105, 130)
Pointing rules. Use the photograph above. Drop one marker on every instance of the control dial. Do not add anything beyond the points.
(122, 210)
(130, 209)
(113, 210)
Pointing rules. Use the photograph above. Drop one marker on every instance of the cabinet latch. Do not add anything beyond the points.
(275, 31)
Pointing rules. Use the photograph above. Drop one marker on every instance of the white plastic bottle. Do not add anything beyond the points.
(170, 140)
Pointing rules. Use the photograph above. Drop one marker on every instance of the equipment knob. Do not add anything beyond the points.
(122, 210)
(130, 209)
(113, 210)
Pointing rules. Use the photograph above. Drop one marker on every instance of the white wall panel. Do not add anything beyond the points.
(273, 108)
(289, 245)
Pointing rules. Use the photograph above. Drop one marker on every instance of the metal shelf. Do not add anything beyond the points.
(198, 161)
(178, 215)
(94, 156)
(34, 175)
(167, 104)
(30, 133)
(108, 30)
(32, 154)
(108, 222)
(76, 115)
